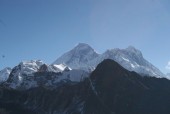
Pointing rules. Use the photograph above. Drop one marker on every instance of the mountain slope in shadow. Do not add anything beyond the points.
(110, 89)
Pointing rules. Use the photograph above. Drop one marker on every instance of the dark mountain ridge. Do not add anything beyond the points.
(110, 89)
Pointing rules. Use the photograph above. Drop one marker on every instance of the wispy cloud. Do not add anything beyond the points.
(168, 66)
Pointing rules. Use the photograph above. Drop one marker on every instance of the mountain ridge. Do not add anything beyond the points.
(110, 89)
(130, 58)
(34, 73)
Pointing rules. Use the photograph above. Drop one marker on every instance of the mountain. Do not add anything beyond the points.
(120, 91)
(84, 57)
(79, 57)
(131, 59)
(168, 74)
(4, 74)
(110, 89)
(35, 73)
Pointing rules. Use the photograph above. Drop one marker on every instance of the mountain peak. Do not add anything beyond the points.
(108, 72)
(31, 62)
(79, 57)
(84, 57)
(132, 49)
(82, 47)
(111, 66)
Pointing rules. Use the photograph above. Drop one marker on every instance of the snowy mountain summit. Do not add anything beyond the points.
(74, 65)
(4, 74)
(85, 57)
(79, 57)
(35, 73)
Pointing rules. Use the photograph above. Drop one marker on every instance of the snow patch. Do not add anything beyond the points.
(125, 59)
(132, 65)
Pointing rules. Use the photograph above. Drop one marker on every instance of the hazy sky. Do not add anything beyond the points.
(45, 29)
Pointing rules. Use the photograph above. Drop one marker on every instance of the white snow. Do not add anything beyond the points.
(23, 75)
(4, 74)
(132, 65)
(125, 59)
(79, 58)
(61, 67)
(84, 57)
(19, 77)
(73, 75)
(29, 67)
(74, 66)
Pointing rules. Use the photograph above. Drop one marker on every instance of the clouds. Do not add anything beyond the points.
(168, 66)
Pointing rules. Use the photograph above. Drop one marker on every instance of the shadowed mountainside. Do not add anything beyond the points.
(110, 89)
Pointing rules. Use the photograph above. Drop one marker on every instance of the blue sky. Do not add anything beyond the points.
(41, 29)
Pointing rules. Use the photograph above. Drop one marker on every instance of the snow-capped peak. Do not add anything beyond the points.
(29, 67)
(134, 50)
(84, 57)
(4, 74)
(32, 66)
(79, 57)
(82, 46)
(34, 73)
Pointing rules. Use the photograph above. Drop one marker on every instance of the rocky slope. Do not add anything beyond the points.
(110, 89)
(30, 74)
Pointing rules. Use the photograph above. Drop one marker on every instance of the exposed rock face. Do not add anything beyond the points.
(110, 89)
(31, 74)
(43, 68)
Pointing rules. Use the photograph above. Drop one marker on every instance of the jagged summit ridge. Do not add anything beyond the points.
(81, 57)
(35, 73)
(109, 89)
(84, 57)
